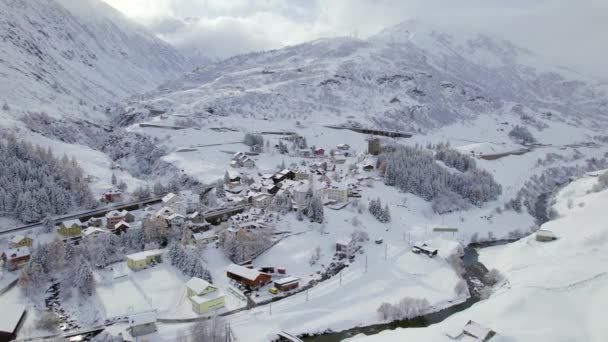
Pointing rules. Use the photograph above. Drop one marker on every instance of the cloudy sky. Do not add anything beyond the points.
(569, 33)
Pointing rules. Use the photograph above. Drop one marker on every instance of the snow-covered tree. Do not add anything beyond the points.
(252, 139)
(220, 192)
(314, 209)
(226, 177)
(83, 278)
(114, 179)
(522, 135)
(141, 192)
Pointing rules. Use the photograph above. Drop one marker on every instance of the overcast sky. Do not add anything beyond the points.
(572, 33)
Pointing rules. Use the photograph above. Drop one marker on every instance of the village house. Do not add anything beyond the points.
(261, 200)
(191, 200)
(343, 147)
(205, 238)
(368, 167)
(248, 163)
(92, 233)
(301, 192)
(169, 199)
(302, 175)
(112, 195)
(70, 229)
(474, 330)
(127, 216)
(336, 192)
(544, 235)
(121, 227)
(15, 257)
(20, 241)
(94, 222)
(319, 152)
(346, 246)
(287, 284)
(142, 324)
(141, 260)
(247, 276)
(204, 296)
(176, 220)
(113, 217)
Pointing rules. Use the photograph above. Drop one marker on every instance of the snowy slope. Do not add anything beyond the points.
(73, 58)
(407, 77)
(551, 285)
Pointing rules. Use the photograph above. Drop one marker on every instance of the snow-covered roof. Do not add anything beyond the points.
(13, 253)
(143, 318)
(343, 241)
(207, 297)
(286, 280)
(114, 213)
(10, 315)
(285, 171)
(174, 216)
(70, 223)
(198, 285)
(124, 212)
(476, 330)
(17, 238)
(168, 197)
(204, 235)
(145, 254)
(121, 224)
(243, 272)
(165, 211)
(92, 230)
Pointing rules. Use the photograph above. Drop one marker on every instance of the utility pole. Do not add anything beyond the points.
(307, 295)
(386, 251)
(366, 263)
(270, 307)
(340, 277)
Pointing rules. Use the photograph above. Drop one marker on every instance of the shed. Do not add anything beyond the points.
(247, 276)
(478, 331)
(142, 324)
(287, 283)
(12, 317)
(424, 249)
(545, 235)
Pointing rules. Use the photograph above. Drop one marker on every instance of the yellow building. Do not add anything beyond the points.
(204, 296)
(21, 241)
(72, 228)
(141, 260)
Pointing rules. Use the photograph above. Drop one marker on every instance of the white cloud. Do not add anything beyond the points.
(569, 32)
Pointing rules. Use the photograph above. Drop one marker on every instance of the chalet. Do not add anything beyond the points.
(423, 248)
(544, 235)
(127, 216)
(170, 199)
(261, 200)
(190, 199)
(20, 241)
(176, 220)
(304, 152)
(248, 163)
(204, 296)
(343, 147)
(288, 174)
(238, 155)
(12, 317)
(477, 331)
(318, 152)
(141, 260)
(234, 188)
(205, 238)
(93, 233)
(301, 192)
(113, 217)
(270, 189)
(70, 229)
(112, 195)
(287, 283)
(121, 227)
(15, 257)
(142, 324)
(164, 212)
(247, 276)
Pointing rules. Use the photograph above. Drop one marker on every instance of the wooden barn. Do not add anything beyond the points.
(247, 276)
(287, 283)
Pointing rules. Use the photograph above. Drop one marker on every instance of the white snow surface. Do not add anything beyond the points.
(550, 285)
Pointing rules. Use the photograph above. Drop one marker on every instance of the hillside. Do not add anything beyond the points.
(74, 58)
(555, 283)
(407, 77)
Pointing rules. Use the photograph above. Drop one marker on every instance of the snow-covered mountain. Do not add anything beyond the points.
(72, 58)
(407, 77)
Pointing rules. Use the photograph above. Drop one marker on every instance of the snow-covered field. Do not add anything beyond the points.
(550, 285)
